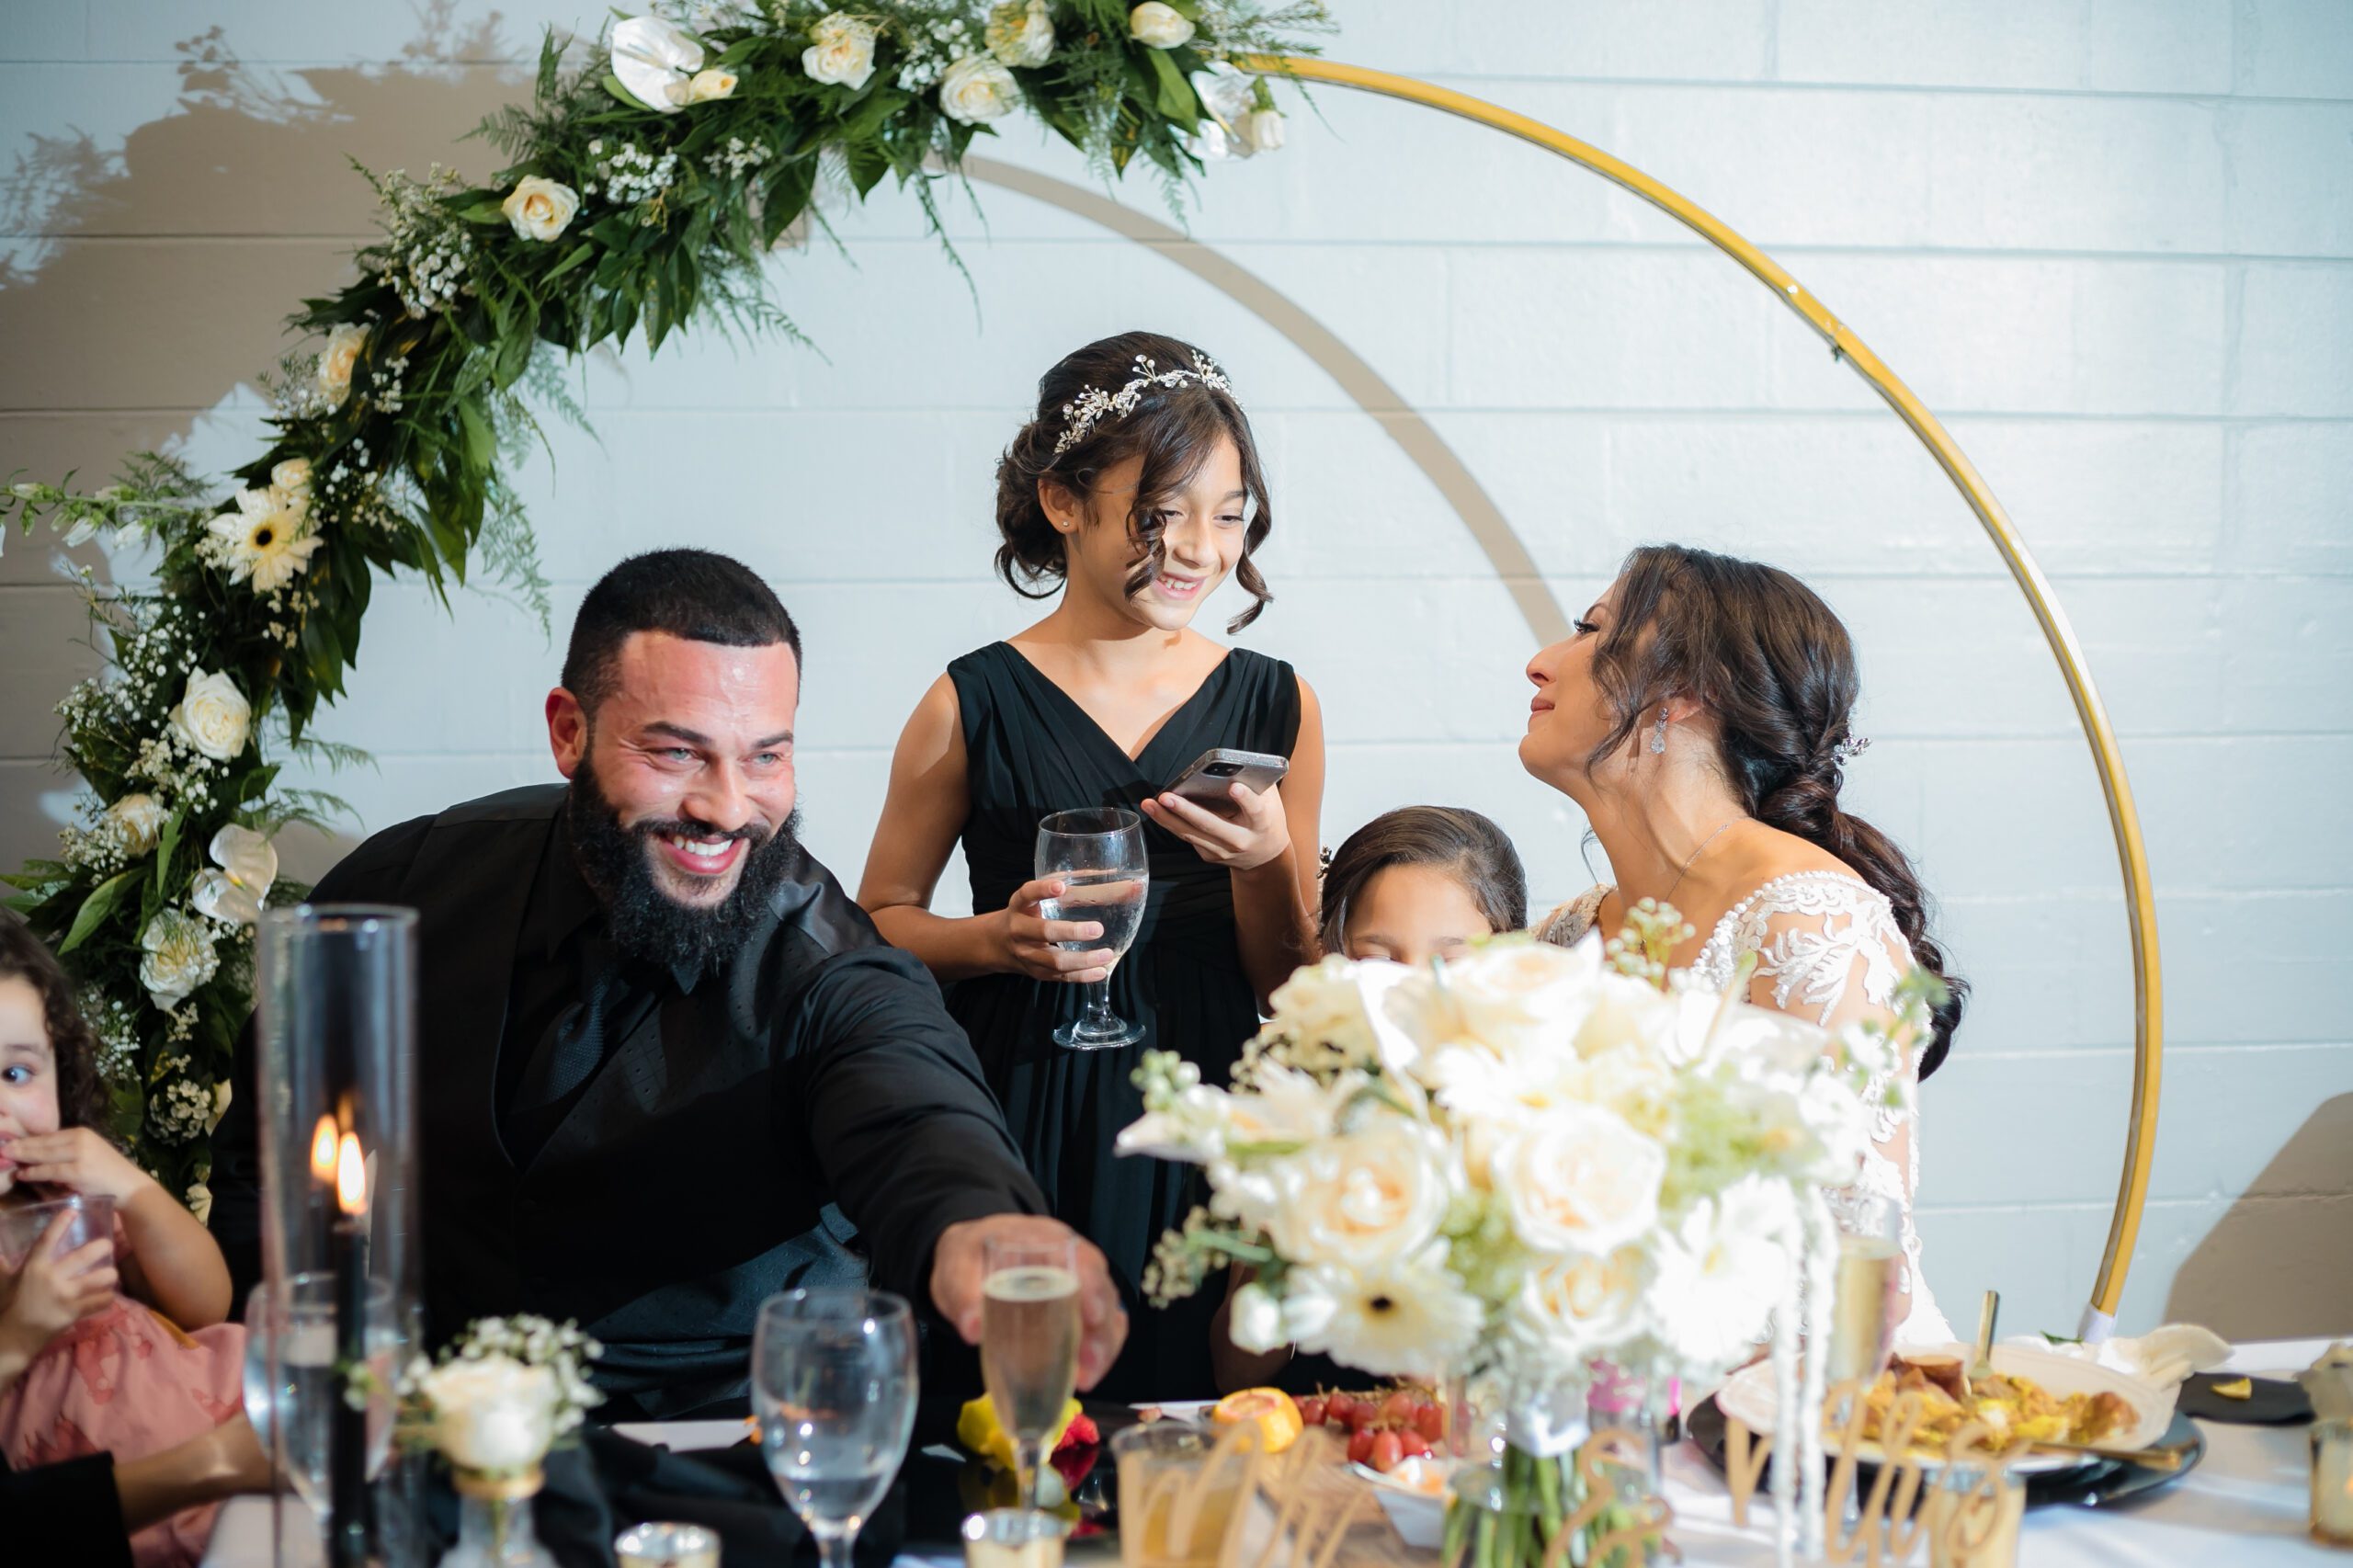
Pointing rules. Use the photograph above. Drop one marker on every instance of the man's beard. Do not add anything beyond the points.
(645, 922)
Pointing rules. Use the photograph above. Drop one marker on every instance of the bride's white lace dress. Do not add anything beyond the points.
(1827, 949)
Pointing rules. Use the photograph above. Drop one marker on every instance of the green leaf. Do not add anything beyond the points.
(168, 844)
(867, 164)
(572, 258)
(480, 447)
(1175, 98)
(484, 212)
(873, 112)
(97, 906)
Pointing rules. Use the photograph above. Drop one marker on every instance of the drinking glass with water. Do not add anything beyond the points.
(1098, 856)
(834, 1386)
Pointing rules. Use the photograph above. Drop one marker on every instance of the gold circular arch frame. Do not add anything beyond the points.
(2148, 1025)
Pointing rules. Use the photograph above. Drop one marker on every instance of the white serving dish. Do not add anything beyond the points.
(1748, 1396)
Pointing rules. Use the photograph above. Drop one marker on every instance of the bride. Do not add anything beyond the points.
(1699, 714)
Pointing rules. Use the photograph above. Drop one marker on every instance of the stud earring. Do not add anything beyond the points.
(1658, 736)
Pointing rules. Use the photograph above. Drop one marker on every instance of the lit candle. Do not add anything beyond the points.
(322, 1152)
(347, 1456)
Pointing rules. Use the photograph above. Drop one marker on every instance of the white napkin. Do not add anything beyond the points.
(2164, 1357)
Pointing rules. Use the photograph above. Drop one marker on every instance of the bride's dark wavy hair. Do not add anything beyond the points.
(1174, 428)
(1771, 663)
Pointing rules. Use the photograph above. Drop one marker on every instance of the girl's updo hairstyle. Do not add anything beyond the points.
(1446, 838)
(1774, 668)
(1174, 428)
(72, 1041)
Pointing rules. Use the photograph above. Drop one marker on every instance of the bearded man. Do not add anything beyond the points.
(657, 1043)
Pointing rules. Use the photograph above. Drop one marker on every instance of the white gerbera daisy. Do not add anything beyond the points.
(265, 538)
(1409, 1318)
(1719, 1273)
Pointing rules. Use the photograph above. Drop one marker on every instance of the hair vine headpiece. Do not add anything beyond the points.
(1850, 748)
(1093, 404)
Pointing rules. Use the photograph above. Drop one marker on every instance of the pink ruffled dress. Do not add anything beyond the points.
(128, 1381)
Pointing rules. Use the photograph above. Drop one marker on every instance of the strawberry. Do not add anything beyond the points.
(1082, 1432)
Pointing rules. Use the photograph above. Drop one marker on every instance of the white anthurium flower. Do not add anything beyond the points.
(1225, 93)
(540, 209)
(1020, 32)
(655, 61)
(1721, 1272)
(248, 864)
(1409, 1316)
(1263, 129)
(491, 1413)
(1581, 1180)
(1159, 26)
(976, 89)
(1363, 1199)
(841, 51)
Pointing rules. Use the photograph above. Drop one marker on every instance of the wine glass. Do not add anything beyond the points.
(1869, 1280)
(1030, 1344)
(292, 1385)
(834, 1384)
(1098, 856)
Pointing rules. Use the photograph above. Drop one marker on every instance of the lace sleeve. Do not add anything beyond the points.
(1828, 950)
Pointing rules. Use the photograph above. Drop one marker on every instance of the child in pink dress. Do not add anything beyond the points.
(129, 1370)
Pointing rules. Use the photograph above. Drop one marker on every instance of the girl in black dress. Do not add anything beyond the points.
(1135, 493)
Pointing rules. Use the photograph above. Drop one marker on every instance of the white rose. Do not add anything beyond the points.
(495, 1414)
(841, 48)
(141, 819)
(1363, 1200)
(1021, 33)
(212, 716)
(180, 958)
(1256, 1321)
(1573, 1308)
(1626, 1012)
(1523, 993)
(1581, 1181)
(200, 1202)
(1264, 130)
(337, 359)
(977, 88)
(292, 477)
(1159, 26)
(540, 209)
(654, 61)
(708, 85)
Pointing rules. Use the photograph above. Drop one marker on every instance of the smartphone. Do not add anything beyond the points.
(1210, 780)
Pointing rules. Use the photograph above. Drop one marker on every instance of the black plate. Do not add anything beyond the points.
(2273, 1401)
(2093, 1485)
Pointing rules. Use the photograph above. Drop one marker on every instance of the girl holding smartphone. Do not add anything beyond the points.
(1135, 493)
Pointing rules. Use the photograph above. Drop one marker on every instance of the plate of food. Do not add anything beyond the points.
(2033, 1395)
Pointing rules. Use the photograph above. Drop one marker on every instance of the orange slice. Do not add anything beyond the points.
(1269, 1410)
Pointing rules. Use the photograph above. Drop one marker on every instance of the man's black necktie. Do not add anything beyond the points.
(568, 1054)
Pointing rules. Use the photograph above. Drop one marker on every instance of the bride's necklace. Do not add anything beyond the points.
(1668, 897)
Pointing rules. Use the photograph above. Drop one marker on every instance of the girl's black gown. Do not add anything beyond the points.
(1032, 751)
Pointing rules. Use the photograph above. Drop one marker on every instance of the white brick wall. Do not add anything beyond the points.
(2110, 242)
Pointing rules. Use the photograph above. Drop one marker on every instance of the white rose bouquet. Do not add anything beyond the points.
(503, 1394)
(1517, 1165)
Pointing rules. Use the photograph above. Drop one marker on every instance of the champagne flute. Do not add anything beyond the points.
(1098, 856)
(1869, 1280)
(1030, 1334)
(834, 1384)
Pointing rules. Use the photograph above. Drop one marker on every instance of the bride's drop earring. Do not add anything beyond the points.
(1658, 736)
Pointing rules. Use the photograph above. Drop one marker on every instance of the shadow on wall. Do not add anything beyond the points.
(2280, 1265)
(160, 283)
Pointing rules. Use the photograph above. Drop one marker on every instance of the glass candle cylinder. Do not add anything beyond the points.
(1014, 1537)
(335, 1111)
(667, 1546)
(2332, 1482)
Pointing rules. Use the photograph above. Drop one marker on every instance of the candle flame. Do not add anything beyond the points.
(322, 1150)
(351, 1178)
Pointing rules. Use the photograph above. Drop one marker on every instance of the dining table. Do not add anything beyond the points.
(2245, 1504)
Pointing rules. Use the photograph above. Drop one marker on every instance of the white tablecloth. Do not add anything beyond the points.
(2244, 1505)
